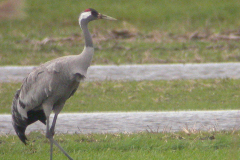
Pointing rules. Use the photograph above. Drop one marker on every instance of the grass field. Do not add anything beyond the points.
(145, 96)
(158, 31)
(199, 145)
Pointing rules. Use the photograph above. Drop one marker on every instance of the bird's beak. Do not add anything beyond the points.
(102, 16)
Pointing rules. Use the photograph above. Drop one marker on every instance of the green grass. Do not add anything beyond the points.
(162, 31)
(144, 96)
(141, 146)
(58, 17)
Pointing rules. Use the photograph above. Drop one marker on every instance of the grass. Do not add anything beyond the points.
(115, 51)
(160, 32)
(146, 145)
(144, 96)
(163, 14)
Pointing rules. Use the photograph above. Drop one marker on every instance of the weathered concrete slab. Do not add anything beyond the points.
(140, 72)
(115, 122)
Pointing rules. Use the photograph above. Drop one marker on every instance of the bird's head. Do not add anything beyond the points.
(91, 14)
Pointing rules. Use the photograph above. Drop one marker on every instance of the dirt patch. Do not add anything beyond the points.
(155, 36)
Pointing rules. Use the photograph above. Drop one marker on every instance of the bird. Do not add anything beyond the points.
(50, 85)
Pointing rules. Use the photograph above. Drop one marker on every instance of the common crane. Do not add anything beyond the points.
(47, 87)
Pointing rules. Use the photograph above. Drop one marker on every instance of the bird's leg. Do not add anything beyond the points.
(49, 135)
(64, 152)
(52, 129)
(51, 149)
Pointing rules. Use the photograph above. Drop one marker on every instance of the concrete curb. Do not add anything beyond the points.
(124, 122)
(140, 72)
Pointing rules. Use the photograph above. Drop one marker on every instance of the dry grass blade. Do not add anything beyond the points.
(226, 37)
(189, 130)
(122, 33)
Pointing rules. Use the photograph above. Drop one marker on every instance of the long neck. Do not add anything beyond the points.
(86, 33)
(82, 61)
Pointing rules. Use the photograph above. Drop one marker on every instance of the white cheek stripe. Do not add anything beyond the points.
(85, 15)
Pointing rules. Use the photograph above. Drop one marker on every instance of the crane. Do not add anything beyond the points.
(47, 87)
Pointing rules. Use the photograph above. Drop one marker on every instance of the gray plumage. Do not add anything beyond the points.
(47, 87)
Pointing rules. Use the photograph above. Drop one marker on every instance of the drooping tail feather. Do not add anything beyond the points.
(18, 121)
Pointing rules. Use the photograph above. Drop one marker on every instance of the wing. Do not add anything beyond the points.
(29, 97)
(36, 88)
(50, 79)
(42, 82)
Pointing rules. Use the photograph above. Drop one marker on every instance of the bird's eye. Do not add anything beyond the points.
(94, 13)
